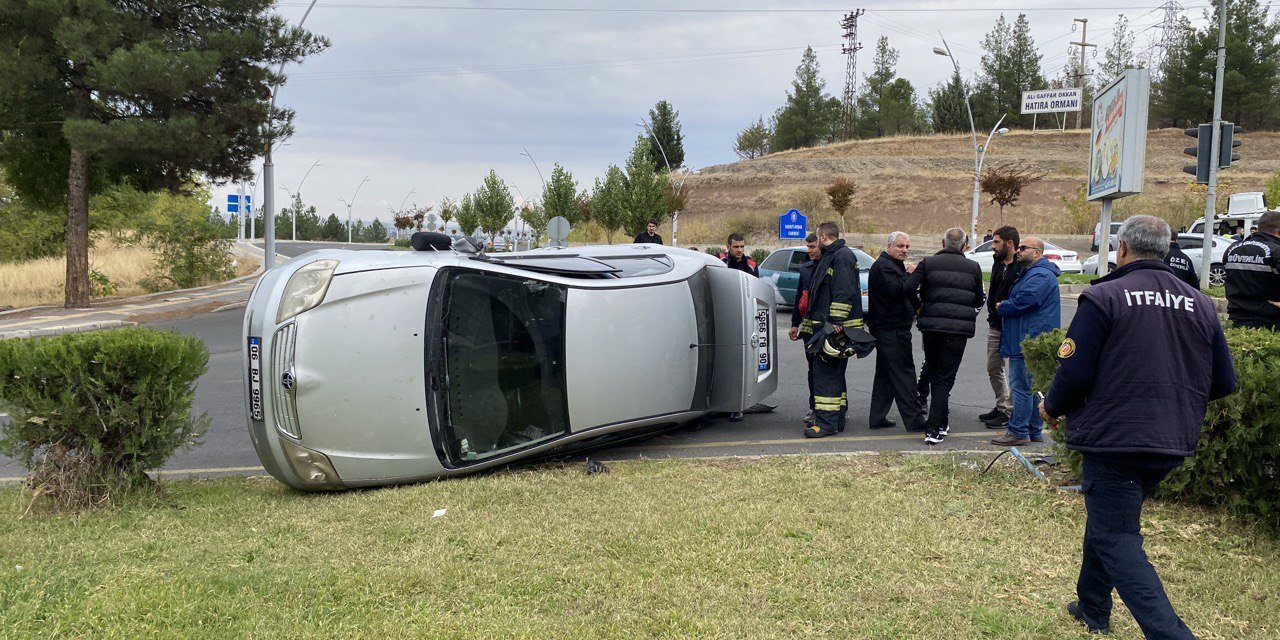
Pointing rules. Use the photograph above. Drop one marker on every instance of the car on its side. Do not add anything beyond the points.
(1068, 261)
(1192, 244)
(366, 368)
(782, 268)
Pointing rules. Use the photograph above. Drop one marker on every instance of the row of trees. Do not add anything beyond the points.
(310, 226)
(1182, 90)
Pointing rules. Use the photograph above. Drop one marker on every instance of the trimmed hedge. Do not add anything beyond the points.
(1237, 465)
(91, 413)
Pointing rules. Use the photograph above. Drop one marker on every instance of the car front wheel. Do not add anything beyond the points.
(1217, 275)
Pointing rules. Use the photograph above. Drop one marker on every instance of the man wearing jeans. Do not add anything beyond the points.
(1004, 272)
(1034, 307)
(1143, 357)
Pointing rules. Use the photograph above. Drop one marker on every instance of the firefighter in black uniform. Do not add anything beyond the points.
(800, 305)
(1253, 276)
(835, 303)
(1181, 265)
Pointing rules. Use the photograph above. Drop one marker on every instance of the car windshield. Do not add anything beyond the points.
(504, 350)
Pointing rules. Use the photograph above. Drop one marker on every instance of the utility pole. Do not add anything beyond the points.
(850, 50)
(1211, 202)
(1080, 72)
(240, 214)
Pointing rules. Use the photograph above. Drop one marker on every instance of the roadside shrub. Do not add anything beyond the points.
(759, 255)
(191, 249)
(1237, 464)
(92, 413)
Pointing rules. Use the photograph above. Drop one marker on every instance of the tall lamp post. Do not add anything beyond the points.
(353, 200)
(979, 153)
(296, 195)
(269, 177)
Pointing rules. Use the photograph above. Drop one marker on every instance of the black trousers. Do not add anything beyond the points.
(895, 379)
(942, 352)
(1113, 557)
(830, 393)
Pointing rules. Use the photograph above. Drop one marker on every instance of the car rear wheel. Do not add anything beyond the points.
(1217, 275)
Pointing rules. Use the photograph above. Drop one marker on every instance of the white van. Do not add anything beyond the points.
(1243, 210)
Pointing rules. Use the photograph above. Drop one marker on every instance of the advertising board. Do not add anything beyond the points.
(1118, 139)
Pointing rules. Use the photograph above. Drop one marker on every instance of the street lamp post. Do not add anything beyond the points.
(978, 154)
(353, 200)
(295, 199)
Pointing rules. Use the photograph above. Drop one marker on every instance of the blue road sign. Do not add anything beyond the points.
(248, 204)
(233, 203)
(792, 225)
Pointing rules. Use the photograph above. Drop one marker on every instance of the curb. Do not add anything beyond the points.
(70, 328)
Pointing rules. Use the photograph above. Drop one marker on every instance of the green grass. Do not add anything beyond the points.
(833, 547)
(1076, 278)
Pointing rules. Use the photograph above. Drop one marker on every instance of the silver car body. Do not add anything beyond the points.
(368, 387)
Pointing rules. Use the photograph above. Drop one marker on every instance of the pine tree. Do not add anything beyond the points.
(806, 119)
(333, 229)
(1119, 56)
(664, 126)
(886, 104)
(560, 195)
(376, 232)
(1025, 73)
(1010, 66)
(753, 141)
(947, 108)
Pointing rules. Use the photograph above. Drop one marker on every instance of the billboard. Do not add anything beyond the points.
(1118, 139)
(1051, 100)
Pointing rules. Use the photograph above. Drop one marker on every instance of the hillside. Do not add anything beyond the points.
(925, 183)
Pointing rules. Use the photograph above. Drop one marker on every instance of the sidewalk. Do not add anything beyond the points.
(43, 321)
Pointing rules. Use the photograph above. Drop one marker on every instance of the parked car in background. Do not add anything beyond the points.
(1068, 261)
(782, 269)
(1192, 245)
(365, 368)
(1097, 230)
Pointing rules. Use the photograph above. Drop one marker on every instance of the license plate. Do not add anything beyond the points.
(762, 336)
(255, 378)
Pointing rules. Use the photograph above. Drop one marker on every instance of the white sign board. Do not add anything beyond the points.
(1051, 100)
(1118, 140)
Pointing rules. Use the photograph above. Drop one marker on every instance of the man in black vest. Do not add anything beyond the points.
(1141, 359)
(1253, 276)
(949, 287)
(835, 300)
(1181, 264)
(889, 317)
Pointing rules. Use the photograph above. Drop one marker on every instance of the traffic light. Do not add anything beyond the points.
(1229, 142)
(1201, 152)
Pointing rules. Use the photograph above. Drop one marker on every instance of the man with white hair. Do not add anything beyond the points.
(949, 288)
(1143, 356)
(889, 318)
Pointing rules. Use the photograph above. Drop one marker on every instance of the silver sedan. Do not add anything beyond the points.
(367, 368)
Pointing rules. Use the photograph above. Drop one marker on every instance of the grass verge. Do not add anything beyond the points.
(832, 547)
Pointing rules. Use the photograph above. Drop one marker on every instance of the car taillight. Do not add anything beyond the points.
(1053, 256)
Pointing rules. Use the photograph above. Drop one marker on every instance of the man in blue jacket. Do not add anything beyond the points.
(1143, 357)
(1034, 307)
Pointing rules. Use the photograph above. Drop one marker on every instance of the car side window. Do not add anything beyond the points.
(777, 261)
(986, 246)
(797, 258)
(1191, 243)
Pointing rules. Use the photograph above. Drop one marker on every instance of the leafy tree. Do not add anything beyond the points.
(191, 250)
(584, 206)
(333, 229)
(753, 141)
(494, 206)
(536, 217)
(947, 108)
(448, 210)
(1010, 66)
(1270, 192)
(807, 118)
(468, 218)
(1183, 94)
(644, 190)
(609, 202)
(664, 125)
(841, 193)
(560, 195)
(98, 91)
(1005, 183)
(886, 103)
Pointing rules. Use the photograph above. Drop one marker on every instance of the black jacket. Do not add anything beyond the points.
(1253, 281)
(1181, 265)
(644, 238)
(949, 287)
(888, 305)
(835, 297)
(1143, 356)
(1002, 278)
(746, 265)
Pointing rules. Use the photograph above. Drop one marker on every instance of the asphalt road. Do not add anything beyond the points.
(226, 447)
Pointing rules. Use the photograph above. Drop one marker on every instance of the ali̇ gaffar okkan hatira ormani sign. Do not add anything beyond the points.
(1051, 100)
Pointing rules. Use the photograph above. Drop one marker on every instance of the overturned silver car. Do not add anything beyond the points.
(366, 368)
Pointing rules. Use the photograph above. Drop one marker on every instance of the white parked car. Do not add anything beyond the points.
(1191, 244)
(367, 368)
(1067, 260)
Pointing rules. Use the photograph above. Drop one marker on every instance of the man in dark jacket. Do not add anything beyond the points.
(650, 234)
(800, 305)
(1034, 307)
(1143, 356)
(1004, 272)
(1253, 276)
(835, 300)
(889, 317)
(736, 257)
(949, 287)
(1181, 265)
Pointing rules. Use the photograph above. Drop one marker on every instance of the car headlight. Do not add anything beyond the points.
(306, 288)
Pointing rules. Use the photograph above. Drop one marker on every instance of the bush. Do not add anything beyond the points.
(1237, 465)
(91, 413)
(759, 255)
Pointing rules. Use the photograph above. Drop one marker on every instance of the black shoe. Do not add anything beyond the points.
(934, 436)
(1073, 608)
(998, 421)
(736, 416)
(990, 414)
(888, 423)
(814, 431)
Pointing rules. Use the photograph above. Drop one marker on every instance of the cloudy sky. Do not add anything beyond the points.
(425, 96)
